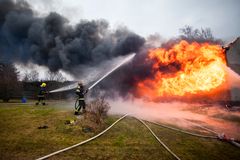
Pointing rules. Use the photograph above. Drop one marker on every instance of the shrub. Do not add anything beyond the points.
(98, 109)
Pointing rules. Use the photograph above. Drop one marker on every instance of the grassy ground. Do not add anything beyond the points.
(20, 137)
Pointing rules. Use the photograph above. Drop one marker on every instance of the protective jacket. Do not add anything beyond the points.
(81, 102)
(42, 92)
(41, 95)
(81, 92)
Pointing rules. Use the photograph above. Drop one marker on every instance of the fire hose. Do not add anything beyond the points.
(83, 142)
(172, 153)
(182, 131)
(219, 136)
(98, 135)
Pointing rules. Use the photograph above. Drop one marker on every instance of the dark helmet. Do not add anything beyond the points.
(80, 83)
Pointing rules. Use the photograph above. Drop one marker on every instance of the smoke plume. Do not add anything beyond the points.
(184, 115)
(51, 41)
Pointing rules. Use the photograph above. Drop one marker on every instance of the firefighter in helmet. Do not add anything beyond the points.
(80, 91)
(42, 93)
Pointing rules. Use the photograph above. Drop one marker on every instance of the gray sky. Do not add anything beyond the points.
(152, 16)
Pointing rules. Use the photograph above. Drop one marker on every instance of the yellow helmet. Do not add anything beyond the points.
(43, 85)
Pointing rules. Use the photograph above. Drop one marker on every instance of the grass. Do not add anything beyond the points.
(20, 137)
(190, 147)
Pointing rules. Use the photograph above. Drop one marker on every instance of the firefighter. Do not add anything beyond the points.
(80, 91)
(41, 94)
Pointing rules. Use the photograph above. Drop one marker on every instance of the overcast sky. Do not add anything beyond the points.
(152, 16)
(146, 17)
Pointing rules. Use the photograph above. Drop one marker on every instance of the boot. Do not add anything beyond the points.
(75, 113)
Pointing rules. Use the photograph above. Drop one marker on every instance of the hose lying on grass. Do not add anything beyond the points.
(182, 131)
(218, 136)
(83, 142)
(221, 137)
(171, 152)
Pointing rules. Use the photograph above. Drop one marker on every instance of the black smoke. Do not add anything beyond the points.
(51, 41)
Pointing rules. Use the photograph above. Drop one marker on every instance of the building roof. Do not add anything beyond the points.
(227, 46)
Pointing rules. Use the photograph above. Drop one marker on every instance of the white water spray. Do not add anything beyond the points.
(119, 65)
(72, 86)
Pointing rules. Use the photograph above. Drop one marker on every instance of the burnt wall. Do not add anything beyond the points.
(233, 61)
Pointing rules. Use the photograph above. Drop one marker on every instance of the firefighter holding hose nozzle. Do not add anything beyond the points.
(80, 103)
(42, 93)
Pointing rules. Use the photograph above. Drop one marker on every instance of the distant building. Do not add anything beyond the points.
(233, 61)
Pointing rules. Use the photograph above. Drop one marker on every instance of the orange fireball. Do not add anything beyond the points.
(184, 69)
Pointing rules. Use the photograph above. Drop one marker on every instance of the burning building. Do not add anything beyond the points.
(233, 61)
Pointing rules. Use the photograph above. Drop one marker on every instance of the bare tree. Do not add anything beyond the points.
(199, 35)
(9, 85)
(55, 76)
(32, 76)
(26, 77)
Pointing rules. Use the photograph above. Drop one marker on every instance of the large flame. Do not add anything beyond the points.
(184, 69)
